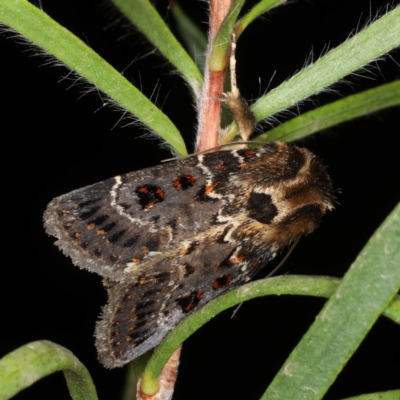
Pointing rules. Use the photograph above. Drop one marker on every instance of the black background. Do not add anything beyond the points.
(55, 140)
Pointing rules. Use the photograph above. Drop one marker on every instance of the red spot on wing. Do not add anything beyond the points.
(238, 259)
(160, 193)
(209, 188)
(184, 182)
(190, 300)
(221, 282)
(149, 195)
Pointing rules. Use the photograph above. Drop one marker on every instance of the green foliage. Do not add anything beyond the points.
(33, 361)
(368, 289)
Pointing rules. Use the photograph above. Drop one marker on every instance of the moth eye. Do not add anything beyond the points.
(261, 208)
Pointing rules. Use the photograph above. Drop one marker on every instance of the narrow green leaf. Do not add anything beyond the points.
(26, 365)
(376, 40)
(217, 60)
(379, 38)
(393, 311)
(194, 39)
(342, 110)
(390, 395)
(146, 18)
(260, 8)
(39, 28)
(281, 285)
(366, 290)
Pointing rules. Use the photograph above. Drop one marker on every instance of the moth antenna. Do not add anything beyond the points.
(288, 253)
(224, 146)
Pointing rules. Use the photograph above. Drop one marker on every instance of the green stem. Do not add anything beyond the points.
(280, 285)
(366, 290)
(218, 59)
(260, 8)
(30, 363)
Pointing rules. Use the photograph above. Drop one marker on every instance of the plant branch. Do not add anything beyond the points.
(223, 15)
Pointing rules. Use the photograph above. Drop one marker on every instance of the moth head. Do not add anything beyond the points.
(292, 193)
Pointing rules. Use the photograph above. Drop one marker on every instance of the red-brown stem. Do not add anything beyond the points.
(209, 110)
(166, 379)
(209, 104)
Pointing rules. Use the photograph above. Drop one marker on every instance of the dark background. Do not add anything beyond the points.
(56, 140)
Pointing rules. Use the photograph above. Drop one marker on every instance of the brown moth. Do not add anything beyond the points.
(170, 238)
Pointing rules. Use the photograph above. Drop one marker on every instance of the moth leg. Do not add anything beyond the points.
(236, 104)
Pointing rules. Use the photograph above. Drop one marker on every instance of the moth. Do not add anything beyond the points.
(170, 238)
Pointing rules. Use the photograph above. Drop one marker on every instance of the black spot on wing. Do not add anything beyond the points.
(117, 236)
(161, 277)
(188, 270)
(192, 246)
(109, 227)
(87, 214)
(100, 220)
(261, 208)
(131, 241)
(88, 202)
